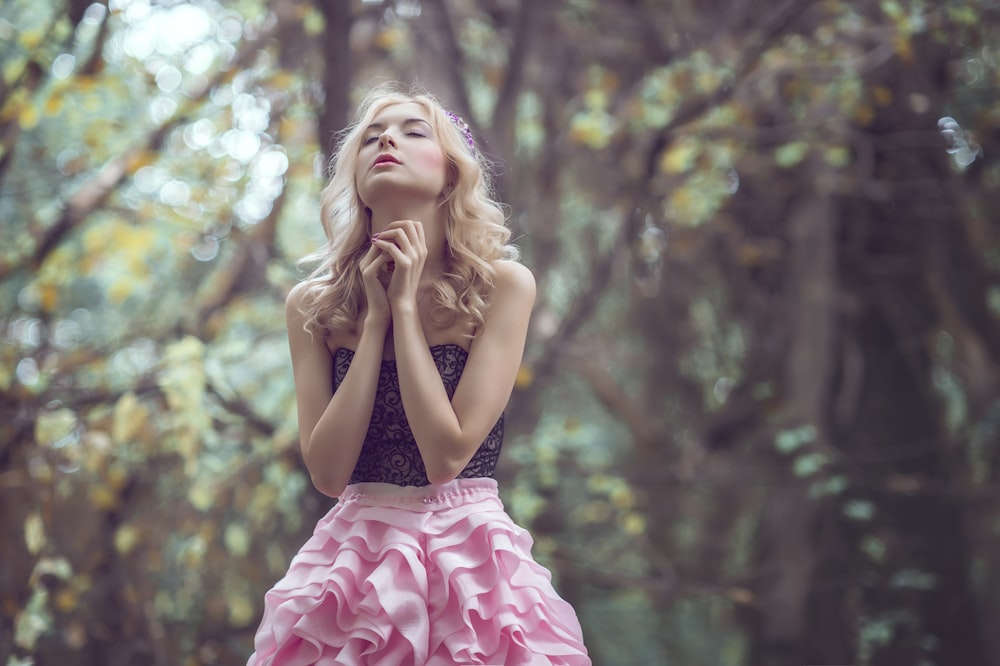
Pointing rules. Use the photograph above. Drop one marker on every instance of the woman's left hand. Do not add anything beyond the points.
(403, 241)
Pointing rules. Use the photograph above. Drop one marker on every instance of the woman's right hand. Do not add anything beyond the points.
(376, 269)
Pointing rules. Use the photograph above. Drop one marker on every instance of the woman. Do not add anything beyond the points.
(405, 344)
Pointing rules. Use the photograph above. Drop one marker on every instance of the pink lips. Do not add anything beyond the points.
(384, 159)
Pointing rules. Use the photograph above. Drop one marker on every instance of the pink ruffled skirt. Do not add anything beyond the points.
(417, 576)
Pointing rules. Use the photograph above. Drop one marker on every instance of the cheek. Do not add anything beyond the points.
(431, 159)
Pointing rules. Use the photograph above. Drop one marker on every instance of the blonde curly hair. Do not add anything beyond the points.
(475, 236)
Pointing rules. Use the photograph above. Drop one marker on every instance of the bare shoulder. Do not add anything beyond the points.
(295, 312)
(296, 297)
(514, 280)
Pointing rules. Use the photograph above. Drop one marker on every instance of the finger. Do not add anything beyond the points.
(421, 240)
(369, 257)
(408, 235)
(366, 260)
(412, 229)
(374, 265)
(392, 250)
(395, 238)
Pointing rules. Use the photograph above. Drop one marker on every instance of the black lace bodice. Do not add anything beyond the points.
(389, 453)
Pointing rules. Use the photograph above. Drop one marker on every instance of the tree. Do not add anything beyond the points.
(757, 420)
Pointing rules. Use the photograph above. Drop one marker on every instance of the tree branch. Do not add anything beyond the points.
(453, 58)
(96, 190)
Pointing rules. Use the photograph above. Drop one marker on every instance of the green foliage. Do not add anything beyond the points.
(159, 173)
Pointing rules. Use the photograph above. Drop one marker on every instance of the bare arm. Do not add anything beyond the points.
(332, 426)
(448, 433)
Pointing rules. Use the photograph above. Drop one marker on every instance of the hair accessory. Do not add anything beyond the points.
(464, 127)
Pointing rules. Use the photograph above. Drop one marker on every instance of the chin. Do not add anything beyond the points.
(387, 193)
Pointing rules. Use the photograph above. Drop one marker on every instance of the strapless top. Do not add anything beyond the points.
(389, 453)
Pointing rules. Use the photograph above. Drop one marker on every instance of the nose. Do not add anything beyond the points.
(385, 139)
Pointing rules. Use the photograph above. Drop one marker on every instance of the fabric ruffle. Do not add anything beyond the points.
(413, 576)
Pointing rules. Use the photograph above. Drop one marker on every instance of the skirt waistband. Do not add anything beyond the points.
(433, 496)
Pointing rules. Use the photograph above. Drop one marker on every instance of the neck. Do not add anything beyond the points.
(432, 216)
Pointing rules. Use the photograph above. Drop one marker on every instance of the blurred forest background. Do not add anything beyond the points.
(758, 418)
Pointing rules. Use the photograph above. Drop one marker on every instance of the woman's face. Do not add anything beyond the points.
(400, 156)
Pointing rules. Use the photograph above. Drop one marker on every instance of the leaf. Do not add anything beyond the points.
(788, 441)
(102, 497)
(592, 128)
(791, 154)
(680, 157)
(129, 418)
(34, 621)
(127, 537)
(861, 510)
(34, 533)
(809, 464)
(30, 39)
(237, 539)
(53, 428)
(241, 609)
(29, 117)
(525, 376)
(634, 524)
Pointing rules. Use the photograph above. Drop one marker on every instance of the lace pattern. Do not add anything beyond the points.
(389, 453)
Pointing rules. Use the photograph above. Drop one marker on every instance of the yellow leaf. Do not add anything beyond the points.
(53, 105)
(622, 498)
(595, 98)
(6, 376)
(313, 23)
(680, 157)
(103, 497)
(127, 537)
(13, 67)
(34, 533)
(707, 80)
(48, 297)
(86, 83)
(66, 599)
(388, 38)
(117, 475)
(120, 289)
(237, 539)
(28, 117)
(525, 376)
(680, 200)
(201, 496)
(50, 427)
(241, 609)
(129, 418)
(95, 238)
(882, 95)
(30, 39)
(593, 128)
(634, 523)
(137, 159)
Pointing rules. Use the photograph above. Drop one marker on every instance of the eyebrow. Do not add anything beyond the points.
(408, 121)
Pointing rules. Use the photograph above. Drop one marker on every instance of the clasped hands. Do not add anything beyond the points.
(391, 269)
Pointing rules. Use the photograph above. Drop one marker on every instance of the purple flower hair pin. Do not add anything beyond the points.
(464, 127)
